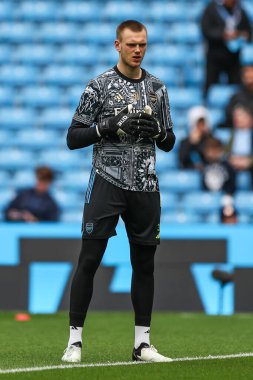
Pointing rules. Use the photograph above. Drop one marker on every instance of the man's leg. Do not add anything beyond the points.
(142, 289)
(81, 293)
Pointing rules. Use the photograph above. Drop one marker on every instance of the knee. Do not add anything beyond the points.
(88, 265)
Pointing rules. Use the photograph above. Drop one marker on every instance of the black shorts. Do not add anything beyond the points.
(105, 202)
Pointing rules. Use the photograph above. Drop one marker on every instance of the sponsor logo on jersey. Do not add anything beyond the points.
(89, 228)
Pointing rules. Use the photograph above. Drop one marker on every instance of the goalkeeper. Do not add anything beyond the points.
(125, 113)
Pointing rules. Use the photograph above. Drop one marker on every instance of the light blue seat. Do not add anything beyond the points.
(216, 116)
(185, 97)
(223, 134)
(18, 34)
(37, 11)
(75, 180)
(76, 54)
(73, 95)
(56, 118)
(243, 180)
(18, 75)
(59, 159)
(68, 200)
(202, 202)
(244, 202)
(5, 53)
(5, 180)
(72, 216)
(62, 75)
(180, 181)
(169, 201)
(165, 161)
(180, 218)
(113, 10)
(247, 5)
(219, 95)
(184, 33)
(17, 118)
(6, 138)
(14, 159)
(247, 53)
(60, 32)
(164, 11)
(107, 56)
(99, 33)
(6, 195)
(167, 54)
(194, 75)
(38, 139)
(6, 96)
(168, 75)
(6, 11)
(23, 179)
(34, 54)
(81, 11)
(40, 96)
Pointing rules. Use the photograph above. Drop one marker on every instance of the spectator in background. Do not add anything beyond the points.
(35, 204)
(240, 146)
(243, 97)
(218, 174)
(191, 148)
(225, 27)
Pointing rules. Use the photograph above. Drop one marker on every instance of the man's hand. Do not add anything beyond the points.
(138, 124)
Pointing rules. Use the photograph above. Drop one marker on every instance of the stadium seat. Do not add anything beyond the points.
(112, 10)
(247, 53)
(5, 197)
(184, 98)
(184, 33)
(165, 11)
(98, 33)
(223, 134)
(59, 33)
(55, 118)
(243, 180)
(72, 216)
(194, 75)
(39, 96)
(202, 202)
(59, 159)
(76, 54)
(37, 11)
(6, 96)
(165, 161)
(216, 116)
(6, 138)
(18, 75)
(13, 159)
(5, 180)
(167, 54)
(63, 75)
(219, 95)
(6, 11)
(38, 139)
(5, 54)
(68, 200)
(74, 180)
(244, 202)
(21, 33)
(180, 218)
(180, 181)
(17, 118)
(169, 201)
(81, 11)
(23, 179)
(34, 54)
(169, 75)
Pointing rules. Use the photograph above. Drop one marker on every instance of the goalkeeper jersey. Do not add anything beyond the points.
(125, 161)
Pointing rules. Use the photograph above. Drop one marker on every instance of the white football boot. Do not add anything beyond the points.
(72, 354)
(148, 353)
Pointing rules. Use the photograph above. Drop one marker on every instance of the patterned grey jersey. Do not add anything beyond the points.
(125, 161)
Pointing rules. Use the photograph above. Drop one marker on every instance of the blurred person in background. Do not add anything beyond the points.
(225, 27)
(35, 204)
(240, 146)
(191, 154)
(243, 97)
(217, 174)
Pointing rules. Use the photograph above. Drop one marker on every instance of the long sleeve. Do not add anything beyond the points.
(168, 142)
(211, 24)
(81, 135)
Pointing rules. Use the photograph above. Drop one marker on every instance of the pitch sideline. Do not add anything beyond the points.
(109, 364)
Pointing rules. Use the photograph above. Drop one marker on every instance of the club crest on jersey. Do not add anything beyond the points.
(89, 228)
(153, 97)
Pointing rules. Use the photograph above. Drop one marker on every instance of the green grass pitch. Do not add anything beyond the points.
(108, 337)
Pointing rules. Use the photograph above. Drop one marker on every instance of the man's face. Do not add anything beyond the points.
(230, 3)
(247, 77)
(132, 47)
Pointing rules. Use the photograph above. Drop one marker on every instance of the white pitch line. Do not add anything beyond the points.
(113, 364)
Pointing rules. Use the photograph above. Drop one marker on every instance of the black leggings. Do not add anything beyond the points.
(142, 287)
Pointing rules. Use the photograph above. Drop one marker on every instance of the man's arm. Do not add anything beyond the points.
(212, 30)
(168, 138)
(81, 135)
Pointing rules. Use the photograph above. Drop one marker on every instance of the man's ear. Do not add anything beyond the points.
(117, 45)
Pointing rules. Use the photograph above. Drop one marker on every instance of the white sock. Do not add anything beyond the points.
(75, 335)
(141, 335)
